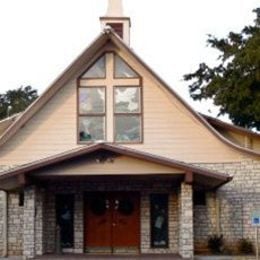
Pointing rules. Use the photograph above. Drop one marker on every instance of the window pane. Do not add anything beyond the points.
(98, 70)
(122, 70)
(159, 220)
(128, 128)
(92, 128)
(91, 100)
(127, 99)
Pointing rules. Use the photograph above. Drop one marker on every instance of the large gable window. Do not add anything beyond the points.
(110, 102)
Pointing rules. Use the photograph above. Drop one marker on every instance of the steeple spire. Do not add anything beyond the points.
(116, 20)
(115, 8)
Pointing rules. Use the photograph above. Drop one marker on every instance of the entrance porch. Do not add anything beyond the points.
(105, 199)
(129, 217)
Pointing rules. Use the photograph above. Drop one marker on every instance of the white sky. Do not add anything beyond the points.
(40, 38)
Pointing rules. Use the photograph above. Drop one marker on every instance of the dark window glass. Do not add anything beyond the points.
(21, 199)
(199, 198)
(159, 220)
(65, 219)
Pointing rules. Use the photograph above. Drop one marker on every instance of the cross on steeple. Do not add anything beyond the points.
(116, 20)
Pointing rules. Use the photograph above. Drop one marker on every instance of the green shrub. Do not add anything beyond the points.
(216, 244)
(245, 246)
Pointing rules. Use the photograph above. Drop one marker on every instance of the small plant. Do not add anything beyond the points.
(216, 244)
(245, 246)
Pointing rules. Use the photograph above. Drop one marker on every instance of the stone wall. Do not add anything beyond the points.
(15, 225)
(186, 243)
(237, 200)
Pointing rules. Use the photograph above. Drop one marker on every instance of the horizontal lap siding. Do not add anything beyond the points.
(169, 129)
(52, 130)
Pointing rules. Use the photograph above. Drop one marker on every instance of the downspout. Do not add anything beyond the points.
(5, 228)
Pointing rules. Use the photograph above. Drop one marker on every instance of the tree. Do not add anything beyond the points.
(17, 100)
(234, 84)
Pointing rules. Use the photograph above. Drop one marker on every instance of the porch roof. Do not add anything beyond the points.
(18, 177)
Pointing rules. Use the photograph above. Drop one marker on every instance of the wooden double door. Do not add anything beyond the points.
(112, 222)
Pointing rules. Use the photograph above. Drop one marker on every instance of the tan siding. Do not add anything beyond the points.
(234, 137)
(169, 129)
(256, 144)
(120, 165)
(51, 131)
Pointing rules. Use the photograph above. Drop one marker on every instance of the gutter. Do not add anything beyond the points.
(4, 195)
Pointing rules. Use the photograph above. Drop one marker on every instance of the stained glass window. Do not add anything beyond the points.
(159, 220)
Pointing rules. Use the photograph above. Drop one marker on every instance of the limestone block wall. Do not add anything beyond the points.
(205, 220)
(15, 225)
(237, 200)
(186, 242)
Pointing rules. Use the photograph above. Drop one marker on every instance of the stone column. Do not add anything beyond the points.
(78, 224)
(29, 222)
(39, 247)
(186, 247)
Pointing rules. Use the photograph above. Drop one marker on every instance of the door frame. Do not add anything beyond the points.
(112, 192)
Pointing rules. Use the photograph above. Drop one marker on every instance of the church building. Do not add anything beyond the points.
(110, 160)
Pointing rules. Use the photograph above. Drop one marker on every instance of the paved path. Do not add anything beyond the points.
(89, 257)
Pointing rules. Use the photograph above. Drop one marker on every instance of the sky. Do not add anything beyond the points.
(40, 38)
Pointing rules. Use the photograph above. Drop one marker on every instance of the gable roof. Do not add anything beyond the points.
(73, 69)
(193, 174)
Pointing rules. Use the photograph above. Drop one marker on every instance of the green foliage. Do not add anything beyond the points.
(216, 244)
(234, 84)
(17, 100)
(245, 246)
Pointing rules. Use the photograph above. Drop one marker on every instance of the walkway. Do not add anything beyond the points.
(89, 257)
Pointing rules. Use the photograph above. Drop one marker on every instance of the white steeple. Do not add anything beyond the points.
(115, 8)
(116, 20)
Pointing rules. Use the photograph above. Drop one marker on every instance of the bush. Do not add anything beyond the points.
(245, 246)
(216, 244)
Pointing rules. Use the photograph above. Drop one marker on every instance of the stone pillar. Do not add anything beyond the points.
(39, 247)
(186, 247)
(29, 222)
(78, 224)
